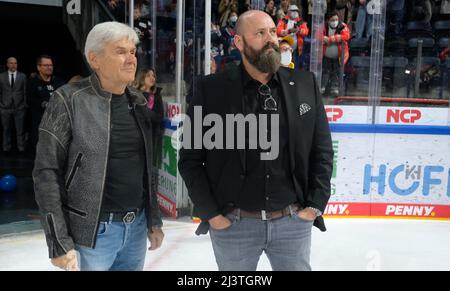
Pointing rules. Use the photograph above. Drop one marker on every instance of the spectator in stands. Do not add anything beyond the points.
(297, 28)
(271, 10)
(243, 6)
(214, 12)
(286, 44)
(444, 54)
(117, 8)
(336, 35)
(226, 7)
(422, 11)
(143, 28)
(146, 83)
(364, 21)
(445, 7)
(216, 39)
(394, 16)
(258, 4)
(39, 90)
(228, 32)
(283, 9)
(345, 10)
(13, 104)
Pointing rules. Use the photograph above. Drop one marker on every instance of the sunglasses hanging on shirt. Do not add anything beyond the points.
(269, 103)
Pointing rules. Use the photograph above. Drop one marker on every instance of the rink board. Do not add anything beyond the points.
(168, 188)
(390, 171)
(399, 168)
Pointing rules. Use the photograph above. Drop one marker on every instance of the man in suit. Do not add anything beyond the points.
(249, 204)
(13, 104)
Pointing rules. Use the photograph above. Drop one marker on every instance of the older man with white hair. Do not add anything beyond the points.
(92, 172)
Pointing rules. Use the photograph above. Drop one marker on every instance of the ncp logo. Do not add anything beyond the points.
(334, 114)
(403, 116)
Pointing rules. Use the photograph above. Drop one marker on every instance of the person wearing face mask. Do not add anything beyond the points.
(227, 33)
(226, 7)
(336, 33)
(294, 26)
(286, 52)
(283, 9)
(232, 20)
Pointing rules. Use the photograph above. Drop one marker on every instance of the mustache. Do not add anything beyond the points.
(270, 45)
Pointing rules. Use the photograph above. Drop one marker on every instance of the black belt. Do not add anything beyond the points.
(127, 217)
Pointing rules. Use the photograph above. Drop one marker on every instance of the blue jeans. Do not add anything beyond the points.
(364, 22)
(119, 247)
(286, 242)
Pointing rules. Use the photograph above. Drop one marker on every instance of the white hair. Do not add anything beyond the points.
(107, 32)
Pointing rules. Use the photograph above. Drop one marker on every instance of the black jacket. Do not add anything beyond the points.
(36, 94)
(209, 174)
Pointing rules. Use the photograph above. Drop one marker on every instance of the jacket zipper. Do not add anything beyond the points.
(75, 167)
(52, 229)
(73, 210)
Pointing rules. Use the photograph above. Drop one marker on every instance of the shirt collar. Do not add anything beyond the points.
(248, 80)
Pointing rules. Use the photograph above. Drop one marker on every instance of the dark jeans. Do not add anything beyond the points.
(330, 74)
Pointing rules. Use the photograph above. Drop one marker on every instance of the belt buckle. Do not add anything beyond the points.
(129, 218)
(263, 215)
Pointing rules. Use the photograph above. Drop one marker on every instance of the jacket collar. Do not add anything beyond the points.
(136, 97)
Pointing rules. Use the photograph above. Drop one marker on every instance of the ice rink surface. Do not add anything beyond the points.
(349, 244)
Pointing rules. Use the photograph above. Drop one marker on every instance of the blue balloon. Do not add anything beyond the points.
(9, 178)
(8, 183)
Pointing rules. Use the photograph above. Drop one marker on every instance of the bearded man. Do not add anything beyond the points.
(249, 203)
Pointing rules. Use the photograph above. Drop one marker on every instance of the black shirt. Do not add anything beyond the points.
(39, 91)
(124, 185)
(269, 184)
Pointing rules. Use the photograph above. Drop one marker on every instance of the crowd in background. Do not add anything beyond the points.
(346, 37)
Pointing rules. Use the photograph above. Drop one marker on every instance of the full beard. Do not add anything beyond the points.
(264, 60)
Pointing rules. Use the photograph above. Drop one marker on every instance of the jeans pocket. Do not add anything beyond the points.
(296, 217)
(231, 218)
(102, 228)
